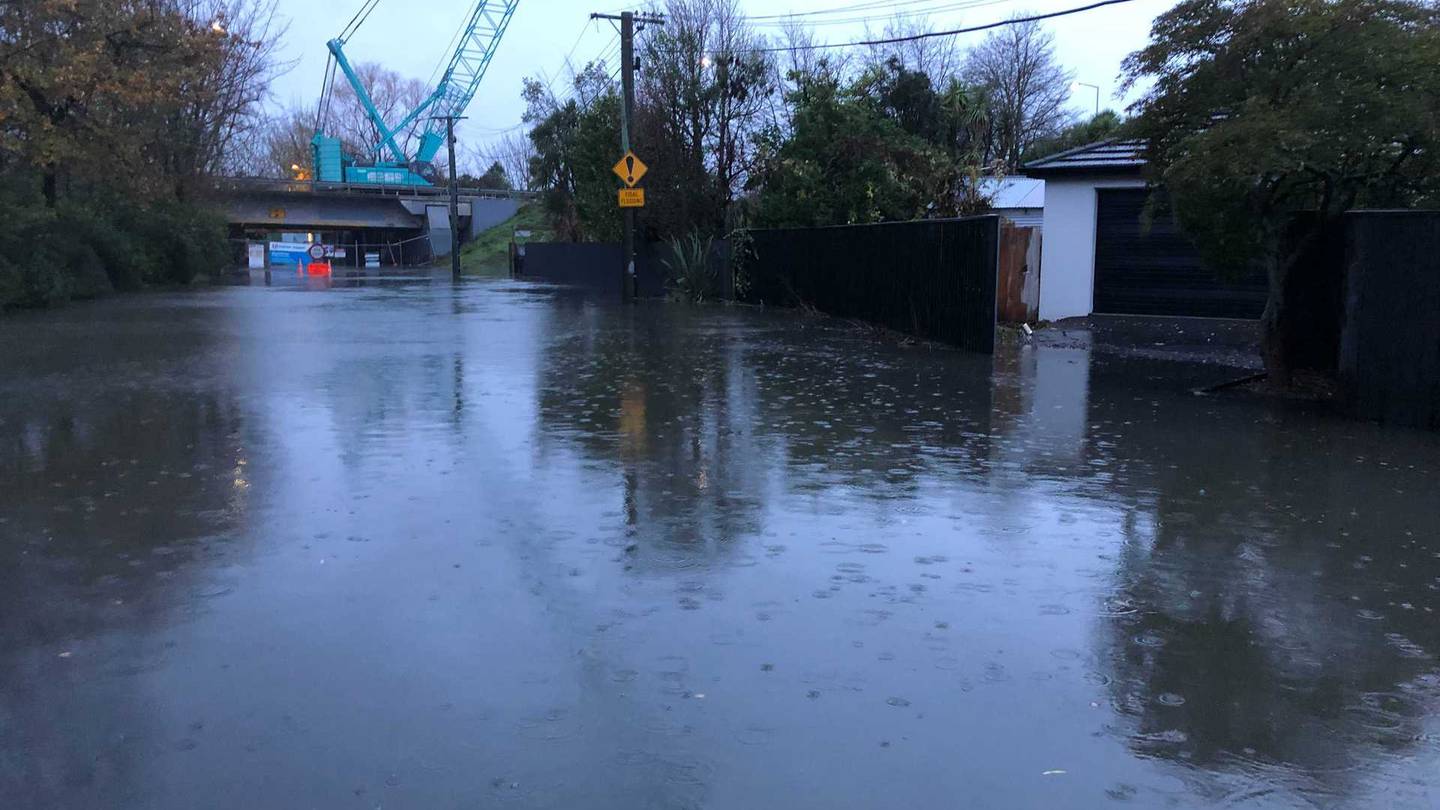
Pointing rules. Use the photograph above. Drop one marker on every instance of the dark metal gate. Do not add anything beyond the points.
(1150, 268)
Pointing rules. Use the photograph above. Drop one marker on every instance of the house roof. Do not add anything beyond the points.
(1101, 157)
(1014, 192)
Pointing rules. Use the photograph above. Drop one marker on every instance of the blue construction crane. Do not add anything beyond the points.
(388, 163)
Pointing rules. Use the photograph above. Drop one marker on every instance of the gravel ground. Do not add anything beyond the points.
(1209, 341)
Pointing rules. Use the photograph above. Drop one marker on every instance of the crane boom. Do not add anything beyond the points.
(462, 77)
(480, 37)
(387, 135)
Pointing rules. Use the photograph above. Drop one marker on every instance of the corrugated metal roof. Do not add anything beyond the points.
(1113, 157)
(1023, 217)
(1014, 192)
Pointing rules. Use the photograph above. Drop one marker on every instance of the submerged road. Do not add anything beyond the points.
(409, 545)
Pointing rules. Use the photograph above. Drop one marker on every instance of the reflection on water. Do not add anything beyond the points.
(396, 543)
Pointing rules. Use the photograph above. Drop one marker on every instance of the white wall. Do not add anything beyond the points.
(1067, 263)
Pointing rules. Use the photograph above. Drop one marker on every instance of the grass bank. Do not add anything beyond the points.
(489, 252)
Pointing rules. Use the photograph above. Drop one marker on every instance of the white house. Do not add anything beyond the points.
(1019, 199)
(1106, 251)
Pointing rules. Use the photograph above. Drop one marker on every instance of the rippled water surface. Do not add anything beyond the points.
(417, 546)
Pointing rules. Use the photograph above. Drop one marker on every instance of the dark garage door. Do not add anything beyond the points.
(1155, 270)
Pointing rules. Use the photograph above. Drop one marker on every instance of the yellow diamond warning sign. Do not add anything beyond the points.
(632, 198)
(630, 169)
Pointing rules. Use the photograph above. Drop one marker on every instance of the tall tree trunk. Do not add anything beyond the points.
(1273, 323)
(50, 184)
(1279, 340)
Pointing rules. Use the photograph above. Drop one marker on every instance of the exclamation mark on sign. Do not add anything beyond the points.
(630, 170)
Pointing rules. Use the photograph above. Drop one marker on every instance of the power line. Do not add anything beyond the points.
(930, 7)
(447, 52)
(358, 20)
(934, 34)
(898, 16)
(493, 131)
(572, 93)
(872, 4)
(586, 28)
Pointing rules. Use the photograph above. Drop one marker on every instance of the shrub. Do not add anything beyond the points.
(175, 242)
(88, 246)
(121, 257)
(37, 279)
(693, 277)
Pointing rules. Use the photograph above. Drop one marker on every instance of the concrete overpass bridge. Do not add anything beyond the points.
(257, 207)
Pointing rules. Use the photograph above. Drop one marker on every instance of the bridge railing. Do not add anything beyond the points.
(240, 185)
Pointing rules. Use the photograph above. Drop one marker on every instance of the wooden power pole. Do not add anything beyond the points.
(627, 21)
(454, 195)
(627, 110)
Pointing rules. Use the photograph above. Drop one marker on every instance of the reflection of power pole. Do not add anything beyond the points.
(627, 112)
(454, 195)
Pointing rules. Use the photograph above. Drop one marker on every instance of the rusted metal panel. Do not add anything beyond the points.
(1018, 286)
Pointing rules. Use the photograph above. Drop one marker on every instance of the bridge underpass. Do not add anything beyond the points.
(407, 225)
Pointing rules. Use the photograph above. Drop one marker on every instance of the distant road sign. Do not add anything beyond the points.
(630, 169)
(632, 198)
(316, 251)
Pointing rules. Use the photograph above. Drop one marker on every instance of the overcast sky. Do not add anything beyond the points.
(411, 37)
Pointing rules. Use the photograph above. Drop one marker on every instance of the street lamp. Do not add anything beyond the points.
(1075, 88)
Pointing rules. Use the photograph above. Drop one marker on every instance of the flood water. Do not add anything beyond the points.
(412, 545)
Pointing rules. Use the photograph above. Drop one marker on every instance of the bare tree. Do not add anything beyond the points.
(703, 93)
(393, 96)
(513, 152)
(1027, 88)
(801, 61)
(936, 57)
(219, 115)
(284, 150)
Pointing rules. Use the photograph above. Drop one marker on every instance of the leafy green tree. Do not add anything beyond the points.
(114, 116)
(1103, 126)
(576, 142)
(845, 162)
(494, 178)
(885, 147)
(148, 96)
(1262, 108)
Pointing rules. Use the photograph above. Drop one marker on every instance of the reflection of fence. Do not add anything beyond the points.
(932, 278)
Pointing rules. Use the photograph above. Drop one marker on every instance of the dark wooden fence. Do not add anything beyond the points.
(594, 266)
(933, 278)
(1390, 342)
